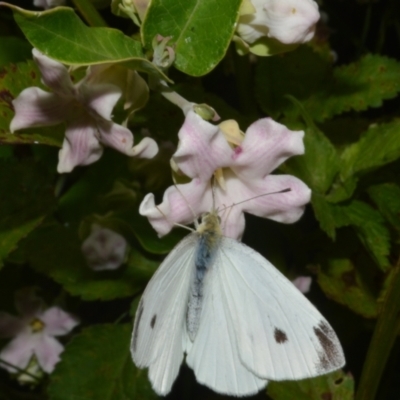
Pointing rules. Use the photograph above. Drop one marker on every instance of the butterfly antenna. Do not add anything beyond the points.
(195, 221)
(256, 197)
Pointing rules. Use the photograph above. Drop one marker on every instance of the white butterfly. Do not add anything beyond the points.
(238, 319)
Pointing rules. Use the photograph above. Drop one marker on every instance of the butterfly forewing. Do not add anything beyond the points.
(158, 329)
(280, 334)
(214, 355)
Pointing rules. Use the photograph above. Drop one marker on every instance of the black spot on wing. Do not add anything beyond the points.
(330, 357)
(153, 321)
(139, 314)
(280, 336)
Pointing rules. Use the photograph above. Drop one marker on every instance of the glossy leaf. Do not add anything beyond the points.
(97, 364)
(200, 30)
(60, 34)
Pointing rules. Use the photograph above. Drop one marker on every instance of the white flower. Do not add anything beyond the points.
(288, 21)
(303, 283)
(104, 249)
(33, 333)
(86, 108)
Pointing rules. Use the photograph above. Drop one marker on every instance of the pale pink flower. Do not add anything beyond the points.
(246, 182)
(86, 108)
(303, 283)
(104, 249)
(33, 332)
(288, 21)
(48, 3)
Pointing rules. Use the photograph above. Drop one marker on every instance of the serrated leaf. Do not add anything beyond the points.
(62, 260)
(325, 214)
(387, 197)
(27, 199)
(320, 163)
(341, 281)
(334, 386)
(370, 228)
(378, 146)
(97, 364)
(13, 79)
(60, 34)
(200, 30)
(324, 91)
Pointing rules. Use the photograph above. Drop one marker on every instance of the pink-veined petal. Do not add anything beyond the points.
(202, 148)
(182, 204)
(18, 352)
(100, 98)
(285, 207)
(146, 148)
(10, 326)
(116, 136)
(267, 144)
(27, 303)
(57, 322)
(54, 74)
(35, 107)
(81, 145)
(47, 351)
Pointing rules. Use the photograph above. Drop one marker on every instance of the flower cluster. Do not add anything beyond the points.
(33, 333)
(244, 177)
(86, 109)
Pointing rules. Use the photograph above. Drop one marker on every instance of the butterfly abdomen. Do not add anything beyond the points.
(209, 238)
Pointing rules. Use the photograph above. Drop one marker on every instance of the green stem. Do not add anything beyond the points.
(382, 341)
(367, 23)
(89, 13)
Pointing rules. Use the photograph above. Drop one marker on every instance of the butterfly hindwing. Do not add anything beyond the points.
(280, 334)
(157, 335)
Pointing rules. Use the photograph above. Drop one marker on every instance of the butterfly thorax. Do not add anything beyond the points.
(210, 234)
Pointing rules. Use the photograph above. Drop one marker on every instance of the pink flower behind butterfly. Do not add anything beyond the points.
(33, 332)
(243, 174)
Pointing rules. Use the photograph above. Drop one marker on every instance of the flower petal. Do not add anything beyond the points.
(54, 74)
(48, 352)
(266, 145)
(18, 352)
(285, 207)
(27, 303)
(115, 136)
(100, 98)
(303, 283)
(182, 204)
(147, 148)
(291, 21)
(80, 146)
(57, 322)
(35, 107)
(10, 326)
(202, 148)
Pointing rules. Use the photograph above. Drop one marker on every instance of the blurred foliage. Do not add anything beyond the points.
(341, 89)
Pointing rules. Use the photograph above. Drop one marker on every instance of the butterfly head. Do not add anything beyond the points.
(210, 222)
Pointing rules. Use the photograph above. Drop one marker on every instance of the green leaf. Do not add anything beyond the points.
(97, 364)
(13, 79)
(324, 91)
(387, 197)
(341, 281)
(63, 261)
(13, 50)
(378, 146)
(370, 228)
(27, 199)
(200, 30)
(334, 386)
(60, 34)
(325, 214)
(320, 163)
